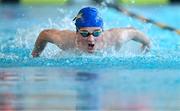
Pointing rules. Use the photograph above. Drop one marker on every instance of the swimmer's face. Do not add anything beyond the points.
(89, 37)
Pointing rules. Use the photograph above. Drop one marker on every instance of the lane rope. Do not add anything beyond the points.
(142, 18)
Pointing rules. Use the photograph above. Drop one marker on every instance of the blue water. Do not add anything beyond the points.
(125, 80)
(20, 28)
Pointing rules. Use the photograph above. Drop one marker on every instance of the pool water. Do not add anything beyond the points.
(126, 80)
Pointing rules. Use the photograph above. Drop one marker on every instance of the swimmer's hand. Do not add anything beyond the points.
(35, 53)
(145, 48)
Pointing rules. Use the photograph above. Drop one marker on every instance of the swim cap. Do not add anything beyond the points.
(88, 17)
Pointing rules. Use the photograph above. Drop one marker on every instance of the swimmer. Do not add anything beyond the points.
(89, 35)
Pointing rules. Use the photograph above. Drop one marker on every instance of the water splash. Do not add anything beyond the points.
(16, 51)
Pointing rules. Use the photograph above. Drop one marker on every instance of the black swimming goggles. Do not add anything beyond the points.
(95, 33)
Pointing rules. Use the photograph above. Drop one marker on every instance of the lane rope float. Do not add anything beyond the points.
(142, 18)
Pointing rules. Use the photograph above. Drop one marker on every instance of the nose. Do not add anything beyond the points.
(90, 38)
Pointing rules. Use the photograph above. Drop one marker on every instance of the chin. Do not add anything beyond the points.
(90, 51)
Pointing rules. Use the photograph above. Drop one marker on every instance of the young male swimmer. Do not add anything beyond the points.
(89, 36)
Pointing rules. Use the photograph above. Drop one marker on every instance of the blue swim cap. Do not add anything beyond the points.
(88, 17)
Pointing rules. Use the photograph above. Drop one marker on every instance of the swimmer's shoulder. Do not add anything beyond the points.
(121, 29)
(115, 34)
(58, 31)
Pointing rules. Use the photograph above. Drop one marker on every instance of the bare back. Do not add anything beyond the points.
(118, 36)
(64, 39)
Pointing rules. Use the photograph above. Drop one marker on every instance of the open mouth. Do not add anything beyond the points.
(90, 47)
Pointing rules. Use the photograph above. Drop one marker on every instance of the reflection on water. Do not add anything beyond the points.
(87, 91)
(5, 102)
(55, 89)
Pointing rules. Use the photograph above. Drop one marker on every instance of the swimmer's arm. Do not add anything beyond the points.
(140, 37)
(43, 38)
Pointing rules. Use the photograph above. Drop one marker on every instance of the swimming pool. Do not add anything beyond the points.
(124, 80)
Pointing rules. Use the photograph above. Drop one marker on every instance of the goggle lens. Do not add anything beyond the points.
(96, 33)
